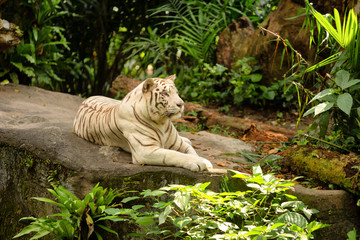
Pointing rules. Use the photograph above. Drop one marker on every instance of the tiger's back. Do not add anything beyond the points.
(96, 119)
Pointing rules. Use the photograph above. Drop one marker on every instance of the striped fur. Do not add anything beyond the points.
(140, 124)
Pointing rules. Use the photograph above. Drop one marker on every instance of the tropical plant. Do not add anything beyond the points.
(195, 25)
(346, 34)
(262, 211)
(78, 219)
(339, 102)
(41, 49)
(339, 98)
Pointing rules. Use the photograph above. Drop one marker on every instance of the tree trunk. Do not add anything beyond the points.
(212, 118)
(326, 166)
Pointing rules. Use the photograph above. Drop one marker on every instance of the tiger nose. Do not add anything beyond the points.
(180, 104)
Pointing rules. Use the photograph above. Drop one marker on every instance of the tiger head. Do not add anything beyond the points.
(163, 97)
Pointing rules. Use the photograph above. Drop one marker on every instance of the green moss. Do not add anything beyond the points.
(25, 177)
(314, 165)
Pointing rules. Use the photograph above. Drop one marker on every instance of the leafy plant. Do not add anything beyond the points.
(198, 23)
(346, 35)
(263, 211)
(352, 235)
(78, 219)
(40, 51)
(237, 86)
(340, 103)
(337, 99)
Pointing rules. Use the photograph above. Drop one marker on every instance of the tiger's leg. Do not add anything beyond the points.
(166, 157)
(145, 152)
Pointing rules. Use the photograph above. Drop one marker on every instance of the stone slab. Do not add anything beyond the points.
(40, 121)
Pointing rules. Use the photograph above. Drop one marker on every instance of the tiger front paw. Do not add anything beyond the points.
(199, 164)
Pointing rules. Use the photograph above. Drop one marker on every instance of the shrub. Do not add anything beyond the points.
(78, 218)
(263, 211)
(338, 94)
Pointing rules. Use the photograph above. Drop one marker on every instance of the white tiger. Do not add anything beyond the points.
(140, 124)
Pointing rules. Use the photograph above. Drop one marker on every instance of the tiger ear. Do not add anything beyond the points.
(148, 85)
(172, 77)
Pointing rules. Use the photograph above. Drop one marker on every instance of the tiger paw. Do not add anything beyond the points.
(198, 164)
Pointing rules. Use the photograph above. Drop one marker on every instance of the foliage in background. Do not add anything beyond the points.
(37, 59)
(190, 34)
(98, 43)
(72, 46)
(338, 92)
(187, 47)
(236, 87)
(78, 219)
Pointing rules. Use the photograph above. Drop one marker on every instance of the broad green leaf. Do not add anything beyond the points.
(286, 235)
(291, 197)
(99, 237)
(182, 200)
(40, 234)
(111, 218)
(49, 201)
(253, 185)
(156, 193)
(358, 111)
(276, 225)
(322, 94)
(257, 170)
(351, 83)
(258, 179)
(270, 95)
(26, 230)
(341, 78)
(116, 211)
(323, 121)
(256, 77)
(313, 226)
(136, 207)
(145, 221)
(164, 215)
(253, 233)
(128, 199)
(292, 218)
(309, 212)
(240, 175)
(181, 222)
(108, 229)
(67, 228)
(345, 102)
(352, 235)
(29, 71)
(310, 111)
(293, 204)
(322, 107)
